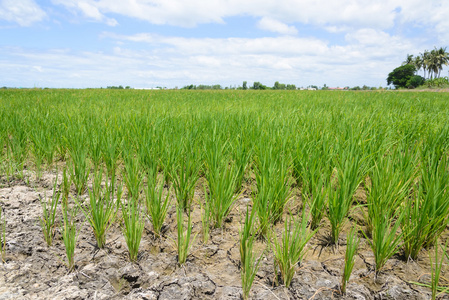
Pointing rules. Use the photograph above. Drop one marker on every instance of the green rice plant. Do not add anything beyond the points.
(17, 150)
(436, 266)
(133, 175)
(249, 264)
(133, 226)
(2, 236)
(185, 174)
(111, 144)
(79, 159)
(426, 212)
(273, 185)
(435, 195)
(69, 235)
(221, 181)
(101, 209)
(290, 251)
(241, 152)
(352, 244)
(183, 243)
(340, 198)
(391, 178)
(157, 205)
(386, 237)
(318, 202)
(66, 183)
(48, 218)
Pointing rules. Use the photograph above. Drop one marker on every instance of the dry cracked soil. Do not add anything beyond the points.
(34, 271)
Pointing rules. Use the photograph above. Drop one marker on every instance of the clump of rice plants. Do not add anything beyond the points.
(426, 213)
(183, 243)
(79, 159)
(290, 251)
(352, 244)
(48, 219)
(221, 180)
(101, 209)
(249, 263)
(184, 174)
(156, 204)
(133, 225)
(69, 234)
(133, 175)
(273, 185)
(349, 174)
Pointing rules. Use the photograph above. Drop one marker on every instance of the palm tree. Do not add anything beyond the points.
(442, 59)
(408, 60)
(426, 61)
(418, 63)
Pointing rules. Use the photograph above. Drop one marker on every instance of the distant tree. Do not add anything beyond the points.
(291, 87)
(245, 87)
(325, 87)
(415, 81)
(279, 86)
(258, 86)
(399, 76)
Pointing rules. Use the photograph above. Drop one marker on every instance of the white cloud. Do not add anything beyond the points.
(334, 16)
(276, 26)
(22, 12)
(178, 61)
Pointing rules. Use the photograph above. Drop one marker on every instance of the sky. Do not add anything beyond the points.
(173, 43)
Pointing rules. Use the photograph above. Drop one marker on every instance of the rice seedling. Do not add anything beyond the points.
(184, 174)
(318, 202)
(183, 243)
(2, 236)
(69, 235)
(426, 213)
(386, 238)
(78, 154)
(101, 209)
(221, 181)
(133, 226)
(352, 244)
(436, 266)
(340, 198)
(66, 183)
(290, 251)
(273, 186)
(157, 205)
(133, 175)
(249, 264)
(111, 146)
(48, 219)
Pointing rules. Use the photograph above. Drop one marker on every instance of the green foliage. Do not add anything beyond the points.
(290, 251)
(352, 244)
(183, 243)
(156, 204)
(415, 81)
(249, 264)
(133, 225)
(69, 234)
(101, 210)
(48, 218)
(441, 82)
(401, 75)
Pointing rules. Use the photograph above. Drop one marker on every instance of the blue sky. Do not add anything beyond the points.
(148, 43)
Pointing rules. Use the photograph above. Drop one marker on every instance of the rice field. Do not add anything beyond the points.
(285, 187)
